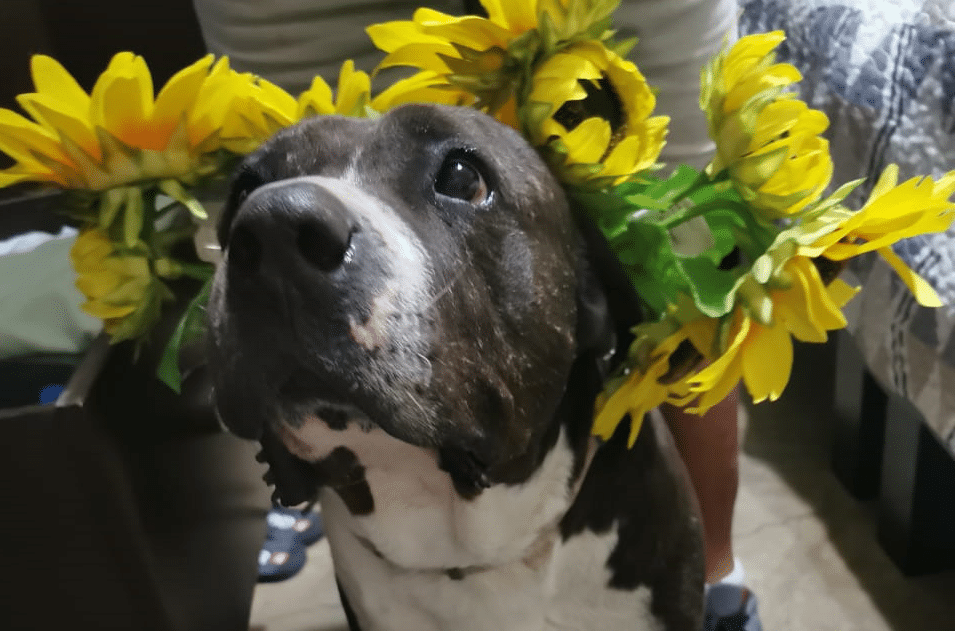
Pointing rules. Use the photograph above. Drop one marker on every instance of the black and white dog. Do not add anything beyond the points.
(415, 325)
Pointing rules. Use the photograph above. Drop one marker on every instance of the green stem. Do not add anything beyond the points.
(702, 181)
(167, 238)
(198, 271)
(701, 209)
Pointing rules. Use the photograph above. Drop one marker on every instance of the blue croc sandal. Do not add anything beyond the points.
(304, 526)
(280, 559)
(731, 608)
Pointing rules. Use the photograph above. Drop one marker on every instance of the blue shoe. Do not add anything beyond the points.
(731, 608)
(280, 559)
(304, 526)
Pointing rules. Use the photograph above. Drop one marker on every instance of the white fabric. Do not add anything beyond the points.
(677, 37)
(39, 303)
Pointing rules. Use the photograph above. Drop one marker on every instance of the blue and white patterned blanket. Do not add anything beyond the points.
(884, 73)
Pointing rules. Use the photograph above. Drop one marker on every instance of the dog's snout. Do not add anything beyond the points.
(297, 223)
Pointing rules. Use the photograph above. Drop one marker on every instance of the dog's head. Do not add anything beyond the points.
(420, 273)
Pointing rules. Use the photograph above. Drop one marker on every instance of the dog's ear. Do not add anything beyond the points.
(607, 305)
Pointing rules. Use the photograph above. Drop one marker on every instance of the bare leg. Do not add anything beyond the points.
(709, 445)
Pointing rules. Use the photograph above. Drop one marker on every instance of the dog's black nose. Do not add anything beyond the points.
(297, 223)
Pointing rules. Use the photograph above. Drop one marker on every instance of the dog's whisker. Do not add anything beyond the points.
(444, 290)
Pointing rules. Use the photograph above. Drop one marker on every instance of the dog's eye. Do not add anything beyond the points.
(459, 179)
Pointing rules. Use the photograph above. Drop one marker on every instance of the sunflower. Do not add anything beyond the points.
(491, 57)
(589, 110)
(641, 390)
(759, 349)
(766, 140)
(892, 212)
(422, 87)
(119, 134)
(352, 98)
(120, 284)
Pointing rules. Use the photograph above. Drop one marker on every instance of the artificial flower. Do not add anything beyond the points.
(892, 212)
(119, 284)
(768, 142)
(589, 110)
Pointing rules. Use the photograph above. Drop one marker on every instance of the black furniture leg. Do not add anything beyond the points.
(858, 423)
(917, 497)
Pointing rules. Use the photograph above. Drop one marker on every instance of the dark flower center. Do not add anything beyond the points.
(601, 101)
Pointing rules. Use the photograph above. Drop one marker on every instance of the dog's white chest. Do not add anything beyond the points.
(563, 587)
(427, 560)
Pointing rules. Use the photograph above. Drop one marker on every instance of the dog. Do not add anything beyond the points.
(414, 321)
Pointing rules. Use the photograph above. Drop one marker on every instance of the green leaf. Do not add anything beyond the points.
(112, 201)
(623, 47)
(190, 328)
(713, 289)
(174, 189)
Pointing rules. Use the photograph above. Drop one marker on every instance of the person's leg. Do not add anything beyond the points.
(709, 445)
(710, 449)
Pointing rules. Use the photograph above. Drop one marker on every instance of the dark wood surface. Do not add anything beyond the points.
(883, 450)
(124, 505)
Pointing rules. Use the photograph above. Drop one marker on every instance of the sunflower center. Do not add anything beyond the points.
(601, 101)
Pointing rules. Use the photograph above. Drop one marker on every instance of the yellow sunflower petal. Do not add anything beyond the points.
(887, 181)
(749, 51)
(841, 292)
(923, 292)
(715, 381)
(316, 100)
(122, 101)
(768, 361)
(98, 282)
(422, 56)
(422, 87)
(588, 141)
(49, 77)
(778, 76)
(821, 308)
(354, 88)
(21, 139)
(473, 32)
(44, 107)
(178, 96)
(104, 311)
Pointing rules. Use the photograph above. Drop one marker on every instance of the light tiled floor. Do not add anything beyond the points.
(809, 549)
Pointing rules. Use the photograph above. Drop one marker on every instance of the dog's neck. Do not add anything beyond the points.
(413, 517)
(536, 554)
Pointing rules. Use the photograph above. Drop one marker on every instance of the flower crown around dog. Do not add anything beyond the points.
(731, 262)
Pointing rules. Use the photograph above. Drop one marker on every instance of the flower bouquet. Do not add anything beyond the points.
(732, 262)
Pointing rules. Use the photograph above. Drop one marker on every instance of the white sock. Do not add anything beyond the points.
(736, 577)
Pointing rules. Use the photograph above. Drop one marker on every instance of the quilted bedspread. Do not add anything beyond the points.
(884, 73)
